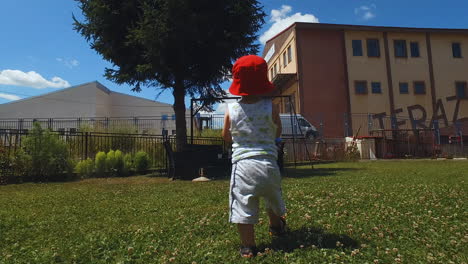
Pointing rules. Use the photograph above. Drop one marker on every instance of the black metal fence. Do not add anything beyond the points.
(139, 125)
(83, 145)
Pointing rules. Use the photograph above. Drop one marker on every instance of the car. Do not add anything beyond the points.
(295, 125)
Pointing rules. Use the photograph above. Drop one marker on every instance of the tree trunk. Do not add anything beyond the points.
(179, 109)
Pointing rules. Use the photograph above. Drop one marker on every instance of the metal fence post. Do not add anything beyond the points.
(346, 124)
(369, 122)
(86, 145)
(459, 135)
(321, 125)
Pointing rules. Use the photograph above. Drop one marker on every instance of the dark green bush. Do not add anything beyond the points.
(47, 153)
(142, 162)
(5, 166)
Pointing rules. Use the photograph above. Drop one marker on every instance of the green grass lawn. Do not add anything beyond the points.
(365, 212)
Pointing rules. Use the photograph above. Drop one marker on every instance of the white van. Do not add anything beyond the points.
(300, 127)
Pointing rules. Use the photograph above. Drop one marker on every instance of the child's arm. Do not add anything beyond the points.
(227, 125)
(277, 121)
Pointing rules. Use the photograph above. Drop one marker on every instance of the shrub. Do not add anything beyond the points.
(85, 168)
(142, 162)
(119, 163)
(111, 162)
(48, 155)
(128, 164)
(21, 164)
(5, 166)
(100, 163)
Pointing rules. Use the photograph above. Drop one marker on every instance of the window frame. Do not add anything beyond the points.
(289, 50)
(360, 49)
(285, 62)
(375, 91)
(460, 54)
(395, 49)
(415, 83)
(356, 87)
(416, 43)
(465, 89)
(407, 87)
(377, 41)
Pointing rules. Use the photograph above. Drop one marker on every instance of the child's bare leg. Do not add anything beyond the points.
(247, 234)
(275, 220)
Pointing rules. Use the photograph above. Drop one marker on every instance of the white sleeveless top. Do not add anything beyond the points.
(252, 129)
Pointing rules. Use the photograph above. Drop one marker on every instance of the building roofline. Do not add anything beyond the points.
(305, 25)
(379, 28)
(284, 30)
(98, 85)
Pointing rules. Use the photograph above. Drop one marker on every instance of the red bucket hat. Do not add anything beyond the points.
(250, 76)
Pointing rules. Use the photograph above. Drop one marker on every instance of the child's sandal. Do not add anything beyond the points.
(279, 231)
(248, 252)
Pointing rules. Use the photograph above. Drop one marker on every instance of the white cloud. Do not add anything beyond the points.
(70, 63)
(10, 97)
(30, 79)
(366, 12)
(281, 21)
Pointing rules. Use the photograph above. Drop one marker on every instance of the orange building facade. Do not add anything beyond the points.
(345, 78)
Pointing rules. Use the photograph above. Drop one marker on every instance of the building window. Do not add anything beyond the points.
(373, 48)
(376, 87)
(285, 62)
(276, 69)
(419, 88)
(456, 50)
(357, 47)
(461, 90)
(360, 87)
(400, 48)
(289, 54)
(404, 88)
(271, 73)
(414, 49)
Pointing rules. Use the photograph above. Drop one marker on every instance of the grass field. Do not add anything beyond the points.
(365, 212)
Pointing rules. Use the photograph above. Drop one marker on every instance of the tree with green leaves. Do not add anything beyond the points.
(187, 46)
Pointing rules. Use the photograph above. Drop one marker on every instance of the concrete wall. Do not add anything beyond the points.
(370, 69)
(123, 105)
(281, 46)
(322, 79)
(448, 70)
(72, 102)
(409, 70)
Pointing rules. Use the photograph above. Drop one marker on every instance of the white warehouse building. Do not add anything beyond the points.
(90, 103)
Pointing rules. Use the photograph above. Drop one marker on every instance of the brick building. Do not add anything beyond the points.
(346, 77)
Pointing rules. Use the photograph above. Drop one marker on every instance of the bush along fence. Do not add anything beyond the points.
(42, 155)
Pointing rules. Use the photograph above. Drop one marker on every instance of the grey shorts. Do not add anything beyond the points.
(251, 179)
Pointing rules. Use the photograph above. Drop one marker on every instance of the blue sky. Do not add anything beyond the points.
(40, 52)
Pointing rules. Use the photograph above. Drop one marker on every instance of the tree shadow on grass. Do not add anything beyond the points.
(307, 237)
(309, 172)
